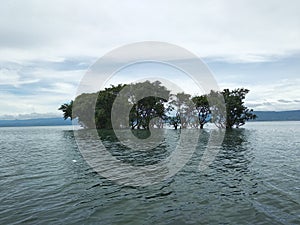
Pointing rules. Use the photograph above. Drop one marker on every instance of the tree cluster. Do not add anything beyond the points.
(150, 104)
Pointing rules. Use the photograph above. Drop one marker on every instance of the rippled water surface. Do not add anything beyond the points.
(254, 179)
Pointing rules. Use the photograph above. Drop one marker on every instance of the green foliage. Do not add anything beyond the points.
(179, 104)
(67, 110)
(174, 121)
(83, 109)
(95, 109)
(148, 111)
(145, 112)
(151, 105)
(236, 112)
(104, 105)
(203, 109)
(217, 108)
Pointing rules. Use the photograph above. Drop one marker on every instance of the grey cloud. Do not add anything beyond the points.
(284, 101)
(259, 104)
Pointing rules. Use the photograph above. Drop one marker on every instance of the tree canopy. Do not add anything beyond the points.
(237, 113)
(148, 111)
(203, 109)
(152, 105)
(67, 110)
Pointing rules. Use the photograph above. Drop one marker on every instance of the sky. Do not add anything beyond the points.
(46, 47)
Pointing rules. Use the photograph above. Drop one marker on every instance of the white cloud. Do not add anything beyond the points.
(54, 76)
(12, 77)
(60, 88)
(276, 95)
(42, 93)
(55, 31)
(12, 104)
(236, 30)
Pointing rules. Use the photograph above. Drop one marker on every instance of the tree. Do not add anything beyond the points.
(203, 109)
(83, 109)
(147, 111)
(183, 110)
(96, 108)
(217, 108)
(236, 112)
(67, 110)
(174, 121)
(145, 105)
(104, 105)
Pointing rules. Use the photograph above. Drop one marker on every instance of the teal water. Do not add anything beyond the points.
(254, 179)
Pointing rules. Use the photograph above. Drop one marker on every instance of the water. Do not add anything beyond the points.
(253, 180)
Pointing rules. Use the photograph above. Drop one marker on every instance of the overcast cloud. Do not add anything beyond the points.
(46, 46)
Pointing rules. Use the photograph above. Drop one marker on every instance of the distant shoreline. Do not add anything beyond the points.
(57, 121)
(263, 116)
(293, 115)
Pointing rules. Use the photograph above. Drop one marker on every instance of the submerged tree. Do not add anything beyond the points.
(203, 109)
(174, 121)
(83, 109)
(94, 109)
(145, 106)
(236, 112)
(148, 111)
(217, 108)
(105, 101)
(183, 110)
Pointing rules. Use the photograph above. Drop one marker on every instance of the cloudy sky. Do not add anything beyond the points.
(46, 47)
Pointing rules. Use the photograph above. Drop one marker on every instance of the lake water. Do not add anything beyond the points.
(254, 179)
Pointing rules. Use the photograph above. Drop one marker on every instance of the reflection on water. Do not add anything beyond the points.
(233, 165)
(236, 153)
(254, 179)
(135, 156)
(142, 163)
